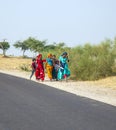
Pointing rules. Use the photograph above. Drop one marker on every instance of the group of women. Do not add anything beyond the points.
(56, 68)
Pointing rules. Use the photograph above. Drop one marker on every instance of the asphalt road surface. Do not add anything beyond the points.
(27, 105)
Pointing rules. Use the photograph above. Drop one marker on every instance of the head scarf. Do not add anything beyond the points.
(64, 53)
(49, 55)
(39, 56)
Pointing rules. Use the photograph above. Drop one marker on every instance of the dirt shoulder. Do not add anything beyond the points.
(103, 90)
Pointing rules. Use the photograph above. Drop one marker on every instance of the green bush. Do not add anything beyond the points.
(94, 61)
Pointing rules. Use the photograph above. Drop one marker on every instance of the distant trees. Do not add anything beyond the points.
(22, 45)
(38, 46)
(35, 45)
(4, 46)
(31, 44)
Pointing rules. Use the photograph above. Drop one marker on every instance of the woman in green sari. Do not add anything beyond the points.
(63, 71)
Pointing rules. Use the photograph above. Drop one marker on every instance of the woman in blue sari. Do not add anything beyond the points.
(63, 71)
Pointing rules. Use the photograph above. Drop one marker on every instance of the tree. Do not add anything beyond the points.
(35, 45)
(4, 46)
(49, 47)
(22, 45)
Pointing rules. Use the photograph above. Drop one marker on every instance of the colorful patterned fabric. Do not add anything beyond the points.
(49, 67)
(63, 70)
(39, 73)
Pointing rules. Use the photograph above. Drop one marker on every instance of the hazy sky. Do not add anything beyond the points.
(73, 22)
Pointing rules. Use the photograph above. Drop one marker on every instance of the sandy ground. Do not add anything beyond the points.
(85, 89)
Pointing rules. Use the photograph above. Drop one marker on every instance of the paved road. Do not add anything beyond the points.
(27, 105)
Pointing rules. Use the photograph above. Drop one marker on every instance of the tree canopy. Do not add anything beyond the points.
(4, 46)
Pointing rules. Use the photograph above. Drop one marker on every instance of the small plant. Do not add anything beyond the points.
(25, 67)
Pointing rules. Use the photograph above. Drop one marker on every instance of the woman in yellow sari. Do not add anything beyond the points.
(49, 66)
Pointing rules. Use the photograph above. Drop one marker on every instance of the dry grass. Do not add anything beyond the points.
(15, 63)
(107, 82)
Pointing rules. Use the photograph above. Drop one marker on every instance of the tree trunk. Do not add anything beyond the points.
(23, 53)
(4, 52)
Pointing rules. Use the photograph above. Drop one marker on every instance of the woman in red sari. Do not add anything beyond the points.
(39, 73)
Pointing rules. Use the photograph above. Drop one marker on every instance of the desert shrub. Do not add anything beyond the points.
(25, 67)
(94, 61)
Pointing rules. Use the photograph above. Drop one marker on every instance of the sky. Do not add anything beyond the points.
(74, 22)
